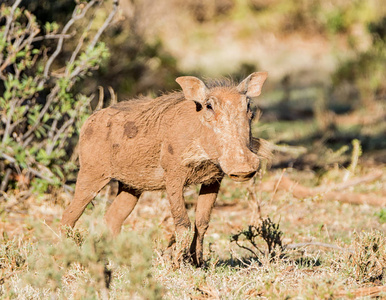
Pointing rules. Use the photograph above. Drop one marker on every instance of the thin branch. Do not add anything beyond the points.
(12, 161)
(372, 292)
(8, 123)
(18, 44)
(68, 123)
(299, 191)
(318, 244)
(73, 19)
(105, 24)
(53, 129)
(5, 180)
(29, 169)
(295, 150)
(353, 182)
(92, 44)
(277, 184)
(79, 46)
(44, 223)
(10, 18)
(15, 123)
(52, 37)
(50, 99)
(33, 171)
(246, 248)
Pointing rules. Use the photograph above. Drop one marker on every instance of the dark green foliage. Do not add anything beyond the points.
(41, 111)
(268, 231)
(366, 70)
(382, 215)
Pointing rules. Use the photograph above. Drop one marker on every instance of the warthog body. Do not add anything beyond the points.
(191, 137)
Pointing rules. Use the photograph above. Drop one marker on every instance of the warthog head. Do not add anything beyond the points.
(225, 110)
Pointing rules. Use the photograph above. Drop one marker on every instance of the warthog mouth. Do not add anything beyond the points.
(242, 176)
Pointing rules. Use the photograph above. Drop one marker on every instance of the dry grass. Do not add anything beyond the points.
(36, 262)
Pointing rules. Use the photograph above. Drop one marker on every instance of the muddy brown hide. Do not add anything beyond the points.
(191, 137)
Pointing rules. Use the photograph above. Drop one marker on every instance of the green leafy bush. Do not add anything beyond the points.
(366, 70)
(40, 109)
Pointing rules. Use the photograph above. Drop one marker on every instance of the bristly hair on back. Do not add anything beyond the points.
(150, 111)
(222, 82)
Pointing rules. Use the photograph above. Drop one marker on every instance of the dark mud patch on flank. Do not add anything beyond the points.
(170, 149)
(130, 130)
(88, 132)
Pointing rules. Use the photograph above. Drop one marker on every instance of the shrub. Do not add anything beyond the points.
(40, 108)
(86, 264)
(367, 263)
(366, 70)
(268, 231)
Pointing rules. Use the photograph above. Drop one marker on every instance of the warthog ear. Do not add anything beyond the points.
(193, 88)
(251, 86)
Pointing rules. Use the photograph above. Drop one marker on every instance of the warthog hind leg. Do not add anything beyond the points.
(121, 208)
(87, 187)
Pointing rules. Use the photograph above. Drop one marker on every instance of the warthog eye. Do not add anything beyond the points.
(209, 106)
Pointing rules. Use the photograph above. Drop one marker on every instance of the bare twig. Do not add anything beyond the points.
(4, 182)
(62, 129)
(318, 244)
(92, 44)
(277, 184)
(29, 169)
(9, 20)
(50, 99)
(353, 182)
(18, 46)
(301, 192)
(289, 149)
(49, 227)
(105, 24)
(373, 291)
(75, 16)
(79, 45)
(8, 122)
(52, 37)
(53, 129)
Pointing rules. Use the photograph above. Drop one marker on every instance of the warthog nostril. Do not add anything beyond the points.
(242, 176)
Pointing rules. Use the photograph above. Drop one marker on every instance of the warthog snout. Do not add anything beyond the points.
(240, 168)
(242, 176)
(243, 172)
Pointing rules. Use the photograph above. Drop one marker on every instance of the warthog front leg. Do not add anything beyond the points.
(174, 189)
(121, 208)
(87, 187)
(205, 202)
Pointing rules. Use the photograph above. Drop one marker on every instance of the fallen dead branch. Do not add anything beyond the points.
(353, 182)
(317, 244)
(364, 292)
(331, 193)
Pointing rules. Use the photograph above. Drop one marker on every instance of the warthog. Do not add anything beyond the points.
(191, 137)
